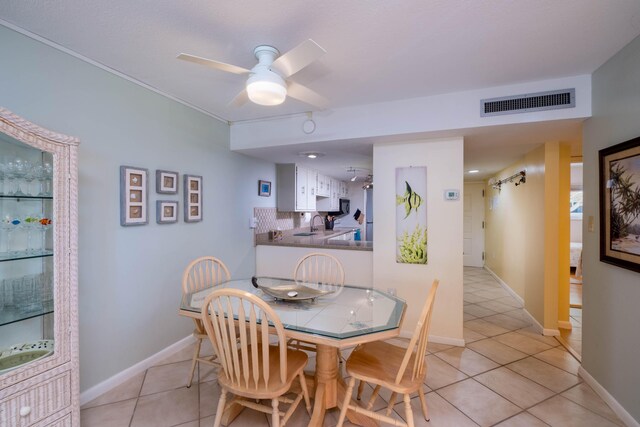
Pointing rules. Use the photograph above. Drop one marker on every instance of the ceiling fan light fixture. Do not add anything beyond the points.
(266, 89)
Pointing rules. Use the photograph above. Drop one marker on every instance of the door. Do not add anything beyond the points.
(368, 214)
(473, 228)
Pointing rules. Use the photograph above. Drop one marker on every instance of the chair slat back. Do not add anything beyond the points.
(204, 272)
(419, 340)
(244, 358)
(322, 269)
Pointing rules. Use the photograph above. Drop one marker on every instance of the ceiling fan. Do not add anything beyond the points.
(268, 82)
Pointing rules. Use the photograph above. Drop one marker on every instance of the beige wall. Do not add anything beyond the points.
(525, 234)
(444, 162)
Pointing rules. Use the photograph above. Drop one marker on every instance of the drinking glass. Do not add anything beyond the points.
(29, 177)
(9, 225)
(47, 170)
(20, 168)
(31, 223)
(3, 174)
(45, 224)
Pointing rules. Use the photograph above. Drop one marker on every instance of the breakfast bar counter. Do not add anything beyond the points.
(322, 239)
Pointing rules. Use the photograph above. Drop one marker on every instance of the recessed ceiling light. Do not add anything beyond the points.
(473, 171)
(310, 154)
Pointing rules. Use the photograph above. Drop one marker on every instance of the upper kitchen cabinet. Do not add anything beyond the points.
(296, 188)
(38, 275)
(324, 186)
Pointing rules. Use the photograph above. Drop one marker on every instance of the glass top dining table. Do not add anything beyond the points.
(348, 313)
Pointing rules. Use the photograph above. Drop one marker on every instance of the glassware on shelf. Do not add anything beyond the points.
(3, 174)
(47, 175)
(45, 224)
(20, 169)
(31, 223)
(10, 225)
(6, 228)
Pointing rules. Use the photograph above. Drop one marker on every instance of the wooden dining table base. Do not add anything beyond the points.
(330, 389)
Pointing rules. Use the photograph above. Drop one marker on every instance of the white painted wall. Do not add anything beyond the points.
(611, 343)
(356, 197)
(280, 261)
(444, 162)
(130, 277)
(402, 120)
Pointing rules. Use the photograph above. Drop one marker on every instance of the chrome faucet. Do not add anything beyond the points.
(312, 229)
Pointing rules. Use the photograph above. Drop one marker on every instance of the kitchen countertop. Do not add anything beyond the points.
(318, 240)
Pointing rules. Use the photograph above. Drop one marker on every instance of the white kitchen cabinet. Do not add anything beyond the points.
(324, 183)
(296, 188)
(331, 203)
(38, 278)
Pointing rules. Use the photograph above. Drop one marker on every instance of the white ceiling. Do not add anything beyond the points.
(377, 50)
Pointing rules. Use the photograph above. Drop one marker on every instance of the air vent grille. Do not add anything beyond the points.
(540, 101)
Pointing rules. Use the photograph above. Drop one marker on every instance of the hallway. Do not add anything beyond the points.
(507, 376)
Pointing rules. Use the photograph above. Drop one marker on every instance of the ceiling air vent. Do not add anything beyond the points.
(551, 100)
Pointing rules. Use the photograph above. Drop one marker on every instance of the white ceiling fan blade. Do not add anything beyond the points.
(298, 58)
(213, 64)
(306, 95)
(240, 99)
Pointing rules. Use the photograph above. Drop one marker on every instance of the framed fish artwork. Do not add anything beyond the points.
(411, 215)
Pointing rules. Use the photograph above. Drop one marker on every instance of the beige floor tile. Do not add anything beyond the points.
(434, 347)
(467, 316)
(112, 415)
(523, 343)
(514, 387)
(485, 328)
(209, 395)
(559, 411)
(561, 358)
(511, 301)
(523, 419)
(247, 418)
(168, 408)
(473, 298)
(467, 360)
(379, 403)
(441, 413)
(478, 311)
(181, 355)
(127, 390)
(507, 322)
(496, 306)
(440, 373)
(166, 377)
(531, 332)
(583, 395)
(206, 372)
(471, 336)
(195, 423)
(518, 313)
(478, 402)
(496, 351)
(544, 374)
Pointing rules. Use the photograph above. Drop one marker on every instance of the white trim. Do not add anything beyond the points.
(550, 332)
(616, 407)
(107, 68)
(436, 339)
(565, 324)
(122, 376)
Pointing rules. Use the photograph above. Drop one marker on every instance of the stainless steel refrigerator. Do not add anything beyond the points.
(369, 214)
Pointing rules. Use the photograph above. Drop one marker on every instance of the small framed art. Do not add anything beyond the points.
(134, 188)
(264, 188)
(166, 182)
(192, 198)
(620, 205)
(166, 211)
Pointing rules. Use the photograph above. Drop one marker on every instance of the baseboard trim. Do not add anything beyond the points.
(616, 407)
(564, 324)
(99, 389)
(505, 286)
(458, 342)
(551, 332)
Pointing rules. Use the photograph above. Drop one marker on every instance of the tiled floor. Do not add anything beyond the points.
(507, 375)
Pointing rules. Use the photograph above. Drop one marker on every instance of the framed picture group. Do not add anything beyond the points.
(134, 196)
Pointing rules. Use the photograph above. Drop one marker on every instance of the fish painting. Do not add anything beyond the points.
(410, 199)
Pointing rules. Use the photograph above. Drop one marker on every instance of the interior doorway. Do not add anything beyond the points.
(473, 225)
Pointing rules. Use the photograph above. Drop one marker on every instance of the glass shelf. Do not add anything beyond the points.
(4, 196)
(12, 314)
(25, 255)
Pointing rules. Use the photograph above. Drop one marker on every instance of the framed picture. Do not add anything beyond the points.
(166, 211)
(411, 215)
(264, 188)
(166, 182)
(134, 188)
(192, 198)
(620, 205)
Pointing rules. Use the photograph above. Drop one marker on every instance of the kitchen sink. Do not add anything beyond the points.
(305, 234)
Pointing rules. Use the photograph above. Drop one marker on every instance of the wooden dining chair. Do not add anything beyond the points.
(202, 273)
(323, 270)
(251, 368)
(400, 370)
